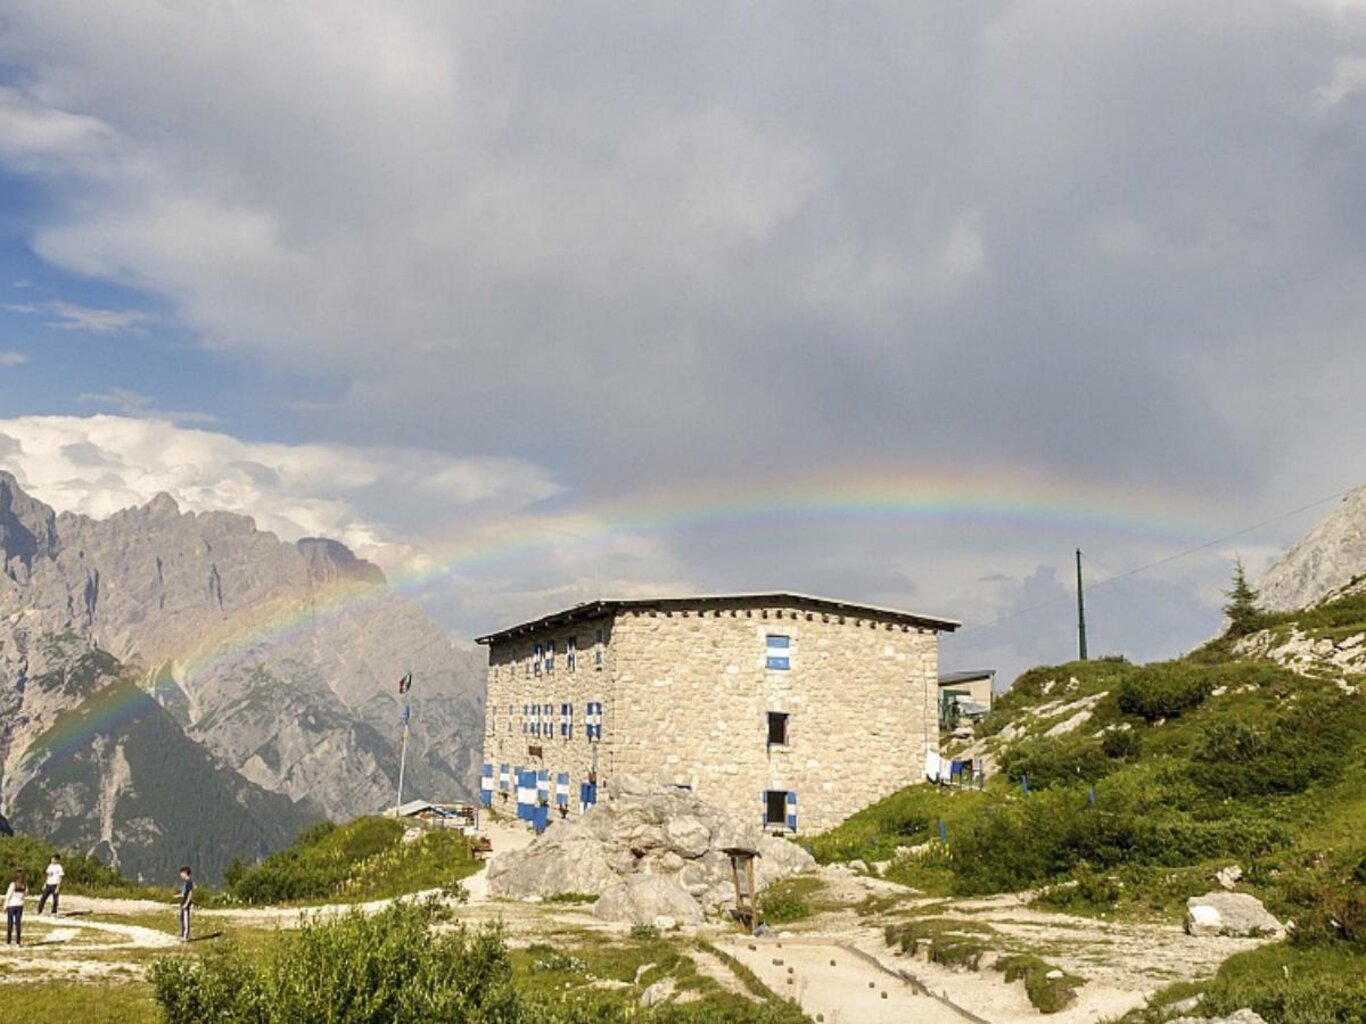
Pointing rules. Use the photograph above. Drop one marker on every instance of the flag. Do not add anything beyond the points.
(404, 715)
(405, 684)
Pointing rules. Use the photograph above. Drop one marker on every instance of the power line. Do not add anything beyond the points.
(1167, 560)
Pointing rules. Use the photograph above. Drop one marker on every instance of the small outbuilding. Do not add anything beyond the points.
(965, 695)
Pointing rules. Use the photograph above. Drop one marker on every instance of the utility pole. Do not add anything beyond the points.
(1081, 613)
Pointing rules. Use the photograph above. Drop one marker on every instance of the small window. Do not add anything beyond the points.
(538, 658)
(597, 647)
(550, 656)
(777, 728)
(775, 807)
(571, 650)
(778, 650)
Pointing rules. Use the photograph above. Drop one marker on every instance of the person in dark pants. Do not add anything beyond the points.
(14, 909)
(186, 899)
(53, 886)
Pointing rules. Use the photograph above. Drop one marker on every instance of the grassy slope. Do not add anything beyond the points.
(1197, 763)
(364, 860)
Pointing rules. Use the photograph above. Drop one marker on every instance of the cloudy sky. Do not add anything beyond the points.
(530, 304)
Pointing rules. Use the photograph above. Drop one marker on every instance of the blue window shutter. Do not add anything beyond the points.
(792, 810)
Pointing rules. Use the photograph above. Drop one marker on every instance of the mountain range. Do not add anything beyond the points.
(181, 687)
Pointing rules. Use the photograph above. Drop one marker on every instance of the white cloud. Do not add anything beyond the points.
(134, 403)
(1349, 79)
(12, 358)
(382, 501)
(70, 316)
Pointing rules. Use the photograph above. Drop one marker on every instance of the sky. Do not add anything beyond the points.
(899, 303)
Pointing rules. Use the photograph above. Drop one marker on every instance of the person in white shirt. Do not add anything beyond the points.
(14, 909)
(53, 886)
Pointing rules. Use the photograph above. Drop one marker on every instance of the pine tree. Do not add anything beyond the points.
(1244, 616)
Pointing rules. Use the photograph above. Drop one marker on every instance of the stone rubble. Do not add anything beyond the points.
(648, 853)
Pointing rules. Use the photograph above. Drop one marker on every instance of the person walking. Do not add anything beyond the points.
(14, 909)
(186, 899)
(53, 886)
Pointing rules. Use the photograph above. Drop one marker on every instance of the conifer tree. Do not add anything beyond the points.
(1244, 616)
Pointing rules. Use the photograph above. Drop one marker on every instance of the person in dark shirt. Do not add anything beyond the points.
(186, 899)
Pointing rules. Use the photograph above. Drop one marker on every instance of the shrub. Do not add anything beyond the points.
(1122, 745)
(351, 969)
(1055, 761)
(783, 902)
(1302, 746)
(1048, 995)
(1164, 690)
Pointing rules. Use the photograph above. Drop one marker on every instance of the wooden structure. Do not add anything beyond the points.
(746, 895)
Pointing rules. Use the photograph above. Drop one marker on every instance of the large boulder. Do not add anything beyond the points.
(643, 899)
(647, 852)
(1229, 913)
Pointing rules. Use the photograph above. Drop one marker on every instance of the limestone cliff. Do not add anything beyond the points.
(1327, 558)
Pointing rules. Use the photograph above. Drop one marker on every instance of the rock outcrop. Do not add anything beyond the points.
(1237, 1017)
(1229, 913)
(1327, 558)
(647, 852)
(279, 659)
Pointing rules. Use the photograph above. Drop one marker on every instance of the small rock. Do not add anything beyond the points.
(1229, 877)
(665, 923)
(1054, 975)
(657, 993)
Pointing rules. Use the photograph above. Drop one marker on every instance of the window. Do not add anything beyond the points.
(778, 649)
(780, 809)
(597, 647)
(571, 647)
(592, 720)
(566, 721)
(528, 666)
(539, 656)
(509, 719)
(777, 728)
(550, 656)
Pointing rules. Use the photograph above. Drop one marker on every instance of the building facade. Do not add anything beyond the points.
(799, 710)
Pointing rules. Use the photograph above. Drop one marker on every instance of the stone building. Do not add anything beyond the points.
(799, 709)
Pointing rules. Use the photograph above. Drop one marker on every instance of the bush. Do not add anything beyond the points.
(352, 969)
(1304, 745)
(1055, 761)
(1164, 690)
(786, 900)
(1122, 745)
(84, 872)
(1048, 995)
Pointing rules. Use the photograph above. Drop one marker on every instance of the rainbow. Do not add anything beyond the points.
(993, 498)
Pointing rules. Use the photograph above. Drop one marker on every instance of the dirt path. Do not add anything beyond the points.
(834, 984)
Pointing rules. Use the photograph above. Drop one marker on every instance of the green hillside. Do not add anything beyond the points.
(1121, 789)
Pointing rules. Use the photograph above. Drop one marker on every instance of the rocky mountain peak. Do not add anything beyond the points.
(28, 528)
(1324, 560)
(162, 506)
(330, 560)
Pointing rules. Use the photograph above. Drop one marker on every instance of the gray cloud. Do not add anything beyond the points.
(1117, 244)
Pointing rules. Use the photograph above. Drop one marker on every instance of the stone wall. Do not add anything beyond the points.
(692, 697)
(515, 680)
(687, 694)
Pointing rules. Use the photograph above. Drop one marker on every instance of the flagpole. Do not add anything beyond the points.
(404, 685)
(402, 763)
